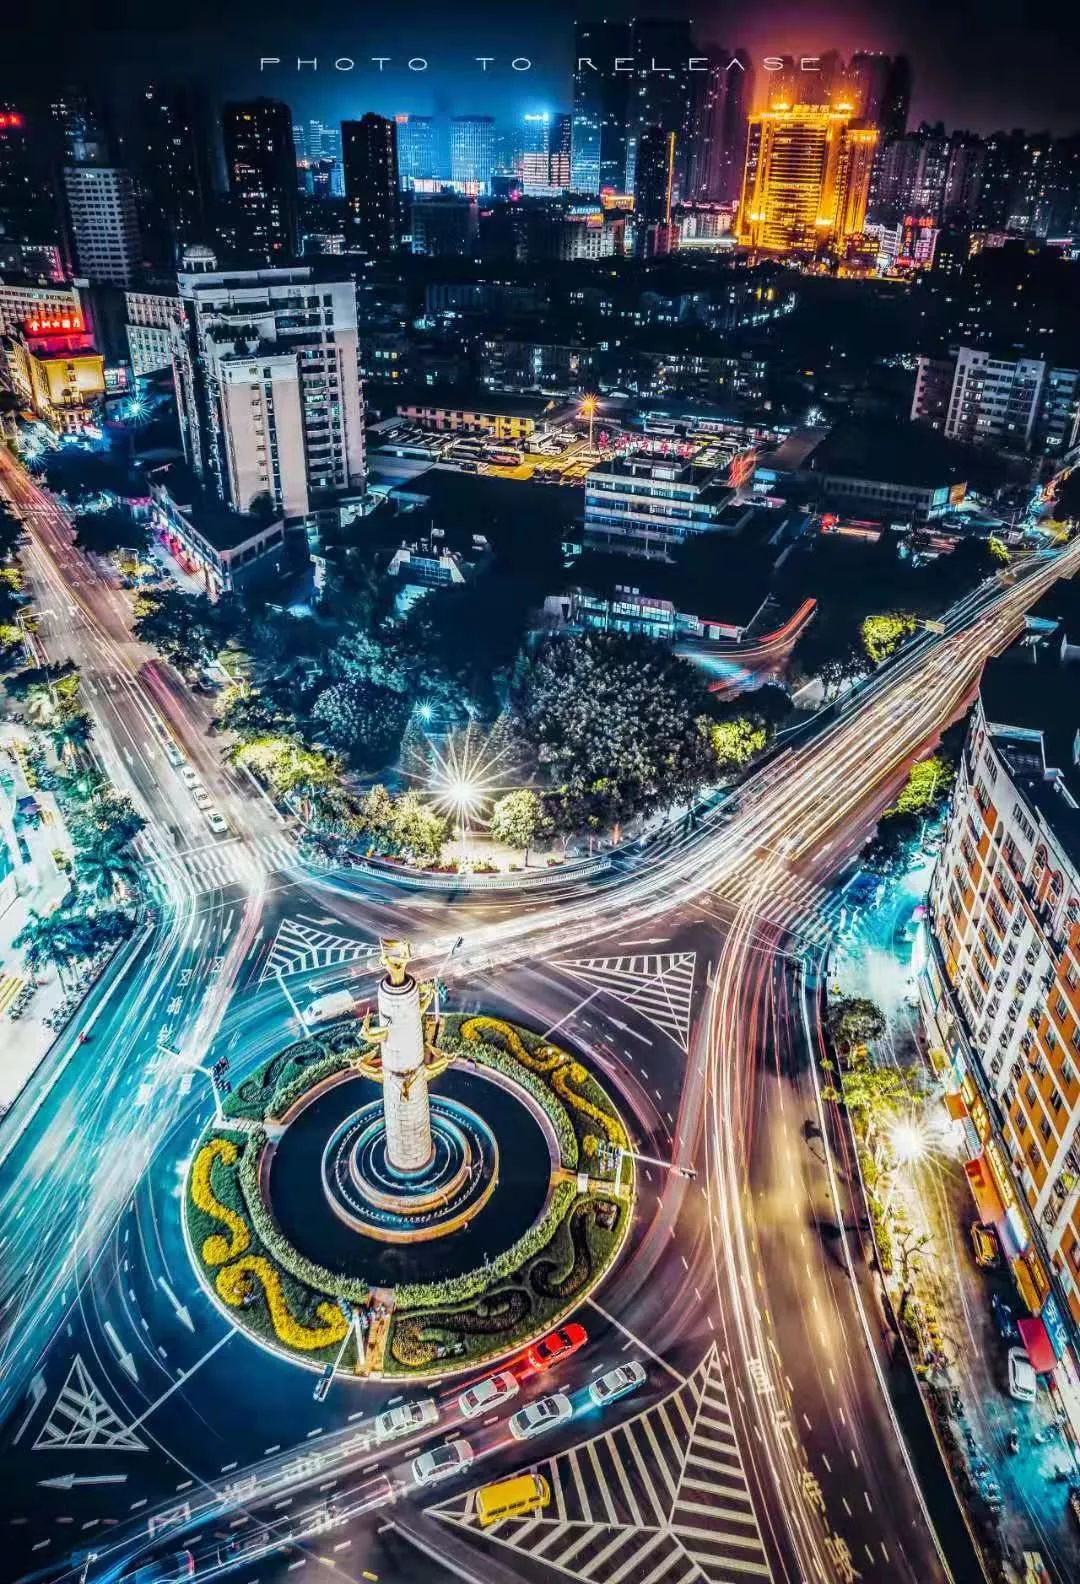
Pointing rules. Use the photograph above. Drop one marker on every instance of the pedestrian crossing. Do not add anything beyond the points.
(660, 987)
(232, 861)
(659, 1499)
(10, 986)
(298, 947)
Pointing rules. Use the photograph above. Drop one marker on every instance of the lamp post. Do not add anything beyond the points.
(588, 410)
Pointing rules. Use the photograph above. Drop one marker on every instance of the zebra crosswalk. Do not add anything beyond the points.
(229, 862)
(659, 1499)
(298, 946)
(660, 987)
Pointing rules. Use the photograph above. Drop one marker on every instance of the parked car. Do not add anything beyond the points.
(489, 1393)
(617, 1383)
(189, 775)
(557, 1345)
(545, 1414)
(984, 1241)
(441, 1462)
(216, 821)
(405, 1419)
(1023, 1382)
(201, 797)
(174, 754)
(1003, 1319)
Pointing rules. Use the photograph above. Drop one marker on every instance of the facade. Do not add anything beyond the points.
(60, 375)
(152, 321)
(444, 226)
(267, 371)
(1001, 990)
(472, 153)
(27, 302)
(601, 106)
(807, 178)
(260, 159)
(173, 168)
(226, 549)
(719, 107)
(640, 506)
(417, 149)
(1017, 404)
(104, 224)
(500, 417)
(369, 152)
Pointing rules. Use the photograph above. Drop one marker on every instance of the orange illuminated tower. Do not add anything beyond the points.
(807, 177)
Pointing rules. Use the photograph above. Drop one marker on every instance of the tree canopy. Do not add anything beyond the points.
(115, 528)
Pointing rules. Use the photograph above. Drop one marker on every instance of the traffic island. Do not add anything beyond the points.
(310, 1236)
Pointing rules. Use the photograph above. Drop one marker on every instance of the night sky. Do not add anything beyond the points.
(983, 64)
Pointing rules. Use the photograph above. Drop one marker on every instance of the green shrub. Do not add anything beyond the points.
(294, 1085)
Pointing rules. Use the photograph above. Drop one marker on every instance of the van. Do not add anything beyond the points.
(509, 1498)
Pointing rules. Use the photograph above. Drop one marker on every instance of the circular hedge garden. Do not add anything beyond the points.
(272, 1289)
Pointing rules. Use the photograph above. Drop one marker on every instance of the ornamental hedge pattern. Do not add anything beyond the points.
(290, 1300)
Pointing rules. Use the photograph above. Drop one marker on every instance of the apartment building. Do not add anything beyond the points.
(1001, 987)
(1015, 404)
(267, 372)
(104, 223)
(153, 319)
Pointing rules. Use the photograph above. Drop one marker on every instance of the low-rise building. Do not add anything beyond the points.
(59, 374)
(1001, 987)
(639, 505)
(225, 549)
(502, 417)
(28, 302)
(887, 471)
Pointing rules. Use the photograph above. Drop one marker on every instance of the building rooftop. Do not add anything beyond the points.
(457, 398)
(645, 466)
(1029, 692)
(219, 525)
(899, 453)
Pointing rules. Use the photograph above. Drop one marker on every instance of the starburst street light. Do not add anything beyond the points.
(909, 1142)
(464, 774)
(587, 410)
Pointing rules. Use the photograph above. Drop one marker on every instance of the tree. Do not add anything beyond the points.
(375, 816)
(872, 1090)
(11, 532)
(417, 831)
(71, 732)
(49, 938)
(188, 629)
(104, 866)
(619, 724)
(516, 819)
(853, 1020)
(889, 851)
(361, 719)
(882, 635)
(928, 785)
(105, 816)
(244, 710)
(829, 652)
(115, 528)
(735, 741)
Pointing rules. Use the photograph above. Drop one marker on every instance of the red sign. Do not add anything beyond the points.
(10, 118)
(72, 322)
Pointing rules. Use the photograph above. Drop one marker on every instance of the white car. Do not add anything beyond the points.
(189, 775)
(441, 1462)
(542, 1415)
(1023, 1382)
(489, 1393)
(216, 821)
(174, 754)
(616, 1383)
(405, 1419)
(201, 797)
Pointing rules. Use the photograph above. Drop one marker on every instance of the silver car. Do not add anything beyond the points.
(542, 1415)
(405, 1419)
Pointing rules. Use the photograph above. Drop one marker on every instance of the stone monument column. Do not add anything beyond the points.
(405, 1089)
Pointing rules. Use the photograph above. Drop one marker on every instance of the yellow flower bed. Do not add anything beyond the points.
(575, 1073)
(217, 1249)
(233, 1287)
(477, 1027)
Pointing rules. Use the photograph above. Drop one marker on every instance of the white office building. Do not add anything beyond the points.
(267, 372)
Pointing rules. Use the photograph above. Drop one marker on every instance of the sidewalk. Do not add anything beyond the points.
(1013, 1499)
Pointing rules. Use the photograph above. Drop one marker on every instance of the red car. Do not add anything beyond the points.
(556, 1346)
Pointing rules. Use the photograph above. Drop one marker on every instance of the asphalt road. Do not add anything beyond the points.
(764, 1436)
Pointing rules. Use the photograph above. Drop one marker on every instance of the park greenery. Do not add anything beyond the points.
(919, 804)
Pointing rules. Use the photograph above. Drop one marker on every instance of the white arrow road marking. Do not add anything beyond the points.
(183, 1313)
(123, 1357)
(66, 1481)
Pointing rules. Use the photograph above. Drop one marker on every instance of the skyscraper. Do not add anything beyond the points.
(601, 105)
(369, 154)
(807, 178)
(417, 151)
(867, 84)
(172, 162)
(472, 152)
(896, 100)
(654, 176)
(660, 95)
(260, 158)
(719, 104)
(24, 197)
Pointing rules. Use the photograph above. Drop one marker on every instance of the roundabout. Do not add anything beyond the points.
(338, 1212)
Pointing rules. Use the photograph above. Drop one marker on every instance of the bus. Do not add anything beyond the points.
(511, 1497)
(502, 458)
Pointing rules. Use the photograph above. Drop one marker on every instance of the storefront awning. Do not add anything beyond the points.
(1039, 1348)
(984, 1190)
(956, 1107)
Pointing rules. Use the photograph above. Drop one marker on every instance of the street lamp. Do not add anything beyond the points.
(908, 1140)
(588, 410)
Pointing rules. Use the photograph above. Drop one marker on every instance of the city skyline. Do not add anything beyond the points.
(979, 67)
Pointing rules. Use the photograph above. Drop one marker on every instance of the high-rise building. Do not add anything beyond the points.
(660, 89)
(654, 177)
(417, 149)
(172, 163)
(267, 371)
(560, 150)
(807, 178)
(26, 213)
(1000, 989)
(542, 152)
(719, 106)
(104, 224)
(444, 226)
(897, 98)
(81, 129)
(260, 159)
(472, 152)
(963, 178)
(911, 174)
(601, 106)
(866, 83)
(369, 154)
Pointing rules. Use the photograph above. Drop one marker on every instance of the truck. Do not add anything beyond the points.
(325, 1009)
